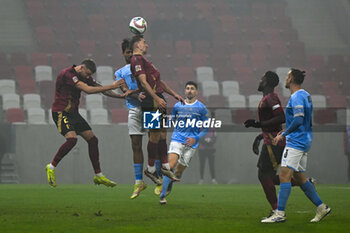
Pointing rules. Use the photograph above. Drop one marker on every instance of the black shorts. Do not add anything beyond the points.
(270, 158)
(66, 122)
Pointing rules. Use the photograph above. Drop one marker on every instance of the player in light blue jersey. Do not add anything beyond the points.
(186, 135)
(136, 131)
(298, 141)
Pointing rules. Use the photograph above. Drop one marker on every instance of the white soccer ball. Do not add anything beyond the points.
(138, 25)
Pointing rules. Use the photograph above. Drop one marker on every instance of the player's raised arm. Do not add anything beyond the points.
(97, 89)
(171, 92)
(142, 79)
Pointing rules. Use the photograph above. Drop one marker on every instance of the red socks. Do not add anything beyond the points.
(94, 154)
(64, 149)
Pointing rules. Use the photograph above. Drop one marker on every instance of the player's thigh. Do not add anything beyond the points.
(294, 159)
(267, 163)
(173, 159)
(87, 134)
(154, 135)
(186, 156)
(135, 122)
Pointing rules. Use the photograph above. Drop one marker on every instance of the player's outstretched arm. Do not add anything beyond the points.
(111, 93)
(256, 144)
(97, 89)
(142, 78)
(171, 92)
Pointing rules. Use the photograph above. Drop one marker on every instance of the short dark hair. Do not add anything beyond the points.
(272, 78)
(298, 76)
(90, 64)
(135, 39)
(192, 83)
(125, 44)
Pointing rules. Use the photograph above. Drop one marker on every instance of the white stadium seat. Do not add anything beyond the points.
(10, 100)
(210, 88)
(7, 86)
(43, 73)
(204, 73)
(318, 101)
(36, 116)
(104, 73)
(254, 100)
(31, 101)
(230, 88)
(94, 101)
(99, 116)
(236, 101)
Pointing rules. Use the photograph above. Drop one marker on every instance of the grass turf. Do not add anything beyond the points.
(191, 208)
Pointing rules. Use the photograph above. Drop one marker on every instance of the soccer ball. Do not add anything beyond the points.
(138, 25)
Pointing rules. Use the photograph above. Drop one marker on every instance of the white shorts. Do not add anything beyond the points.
(294, 159)
(184, 152)
(135, 121)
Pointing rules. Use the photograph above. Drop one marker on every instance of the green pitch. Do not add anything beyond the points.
(191, 208)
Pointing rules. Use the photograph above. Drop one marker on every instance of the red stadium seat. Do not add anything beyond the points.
(325, 116)
(244, 74)
(330, 88)
(15, 115)
(185, 74)
(87, 46)
(216, 101)
(316, 61)
(39, 59)
(119, 115)
(18, 59)
(26, 86)
(199, 59)
(259, 47)
(202, 46)
(337, 101)
(241, 115)
(239, 60)
(23, 72)
(59, 61)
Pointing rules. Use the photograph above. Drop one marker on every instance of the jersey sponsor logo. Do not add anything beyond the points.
(138, 68)
(75, 79)
(151, 120)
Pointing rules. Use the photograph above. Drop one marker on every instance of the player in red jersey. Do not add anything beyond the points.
(271, 118)
(69, 84)
(148, 79)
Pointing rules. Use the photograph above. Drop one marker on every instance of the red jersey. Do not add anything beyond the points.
(269, 107)
(140, 65)
(67, 96)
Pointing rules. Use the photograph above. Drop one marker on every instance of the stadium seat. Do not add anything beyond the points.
(31, 101)
(236, 101)
(119, 115)
(259, 61)
(43, 73)
(10, 100)
(253, 101)
(325, 116)
(15, 115)
(210, 88)
(224, 115)
(230, 88)
(59, 61)
(241, 115)
(337, 101)
(39, 59)
(244, 74)
(18, 58)
(336, 61)
(23, 72)
(216, 101)
(47, 92)
(36, 116)
(318, 101)
(330, 88)
(87, 46)
(94, 101)
(183, 47)
(7, 86)
(204, 73)
(185, 74)
(104, 73)
(49, 116)
(99, 116)
(199, 59)
(202, 46)
(316, 61)
(259, 47)
(26, 86)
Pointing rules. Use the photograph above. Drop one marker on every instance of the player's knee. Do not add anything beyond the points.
(72, 141)
(93, 140)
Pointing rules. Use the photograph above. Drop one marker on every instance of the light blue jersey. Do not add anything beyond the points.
(125, 73)
(300, 104)
(188, 114)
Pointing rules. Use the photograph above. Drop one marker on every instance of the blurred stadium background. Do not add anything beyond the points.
(226, 46)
